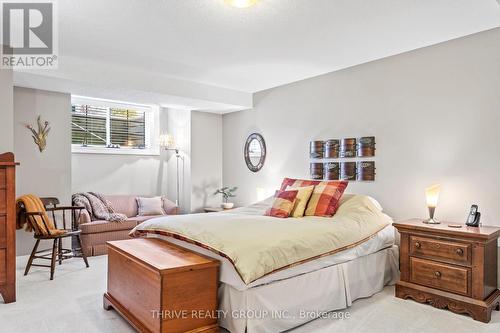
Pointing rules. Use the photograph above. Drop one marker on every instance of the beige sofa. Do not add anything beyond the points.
(95, 234)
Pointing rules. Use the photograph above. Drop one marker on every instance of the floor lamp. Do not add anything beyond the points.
(167, 142)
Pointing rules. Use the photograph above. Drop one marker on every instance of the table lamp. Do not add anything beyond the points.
(432, 196)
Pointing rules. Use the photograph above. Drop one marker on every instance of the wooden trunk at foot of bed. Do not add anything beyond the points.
(160, 287)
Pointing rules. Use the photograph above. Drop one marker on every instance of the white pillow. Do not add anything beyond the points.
(376, 203)
(348, 196)
(150, 206)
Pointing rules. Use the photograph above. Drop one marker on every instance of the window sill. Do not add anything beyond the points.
(115, 151)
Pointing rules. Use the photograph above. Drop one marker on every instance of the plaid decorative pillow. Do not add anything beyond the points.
(283, 204)
(325, 198)
(303, 196)
(297, 183)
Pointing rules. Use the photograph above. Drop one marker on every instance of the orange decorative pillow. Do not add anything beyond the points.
(325, 198)
(283, 204)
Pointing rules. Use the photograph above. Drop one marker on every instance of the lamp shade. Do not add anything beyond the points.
(167, 141)
(432, 195)
(241, 3)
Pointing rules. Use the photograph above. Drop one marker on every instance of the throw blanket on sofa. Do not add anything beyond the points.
(97, 206)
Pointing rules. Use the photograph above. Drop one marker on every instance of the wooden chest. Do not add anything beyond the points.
(453, 268)
(160, 287)
(7, 228)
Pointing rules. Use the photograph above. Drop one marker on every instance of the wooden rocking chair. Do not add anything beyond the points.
(58, 253)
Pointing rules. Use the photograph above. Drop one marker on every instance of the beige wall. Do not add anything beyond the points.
(435, 113)
(120, 174)
(6, 111)
(206, 159)
(47, 173)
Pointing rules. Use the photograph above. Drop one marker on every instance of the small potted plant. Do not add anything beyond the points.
(227, 192)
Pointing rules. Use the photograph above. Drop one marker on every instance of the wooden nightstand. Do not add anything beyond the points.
(453, 268)
(215, 209)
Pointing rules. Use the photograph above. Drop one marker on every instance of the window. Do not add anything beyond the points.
(128, 127)
(88, 125)
(100, 126)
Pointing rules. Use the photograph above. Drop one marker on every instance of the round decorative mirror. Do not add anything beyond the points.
(255, 152)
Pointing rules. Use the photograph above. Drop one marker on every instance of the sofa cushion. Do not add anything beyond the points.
(150, 206)
(125, 204)
(169, 207)
(140, 219)
(106, 226)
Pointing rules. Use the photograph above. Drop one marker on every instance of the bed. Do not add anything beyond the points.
(299, 268)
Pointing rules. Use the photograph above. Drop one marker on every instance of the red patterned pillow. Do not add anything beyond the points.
(297, 183)
(283, 204)
(325, 197)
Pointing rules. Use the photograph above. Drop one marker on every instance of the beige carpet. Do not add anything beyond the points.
(73, 303)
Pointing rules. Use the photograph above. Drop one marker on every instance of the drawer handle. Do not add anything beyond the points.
(437, 274)
(417, 245)
(460, 252)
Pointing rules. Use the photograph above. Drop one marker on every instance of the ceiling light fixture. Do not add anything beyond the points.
(241, 3)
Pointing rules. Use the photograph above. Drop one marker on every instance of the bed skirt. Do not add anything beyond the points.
(285, 304)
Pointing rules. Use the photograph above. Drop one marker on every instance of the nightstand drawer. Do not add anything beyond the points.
(452, 252)
(440, 276)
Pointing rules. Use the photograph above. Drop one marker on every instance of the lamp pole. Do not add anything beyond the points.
(177, 185)
(177, 156)
(167, 142)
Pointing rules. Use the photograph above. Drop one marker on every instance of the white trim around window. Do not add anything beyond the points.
(152, 128)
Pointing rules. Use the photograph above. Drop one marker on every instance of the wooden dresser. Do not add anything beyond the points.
(7, 228)
(449, 268)
(159, 287)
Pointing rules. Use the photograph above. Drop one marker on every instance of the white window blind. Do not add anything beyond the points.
(106, 126)
(88, 125)
(128, 128)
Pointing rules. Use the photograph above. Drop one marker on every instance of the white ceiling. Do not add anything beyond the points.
(273, 43)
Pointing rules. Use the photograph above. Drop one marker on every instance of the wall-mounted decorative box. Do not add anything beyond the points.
(332, 148)
(348, 147)
(331, 171)
(366, 146)
(348, 170)
(316, 149)
(317, 170)
(365, 171)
